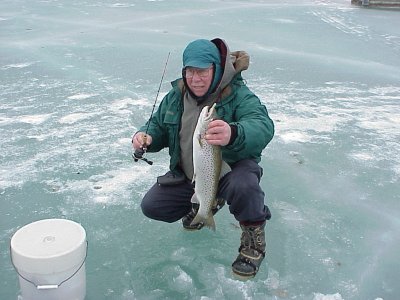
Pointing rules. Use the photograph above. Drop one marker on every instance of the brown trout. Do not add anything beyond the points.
(208, 169)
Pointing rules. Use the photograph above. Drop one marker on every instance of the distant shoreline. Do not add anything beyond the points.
(395, 4)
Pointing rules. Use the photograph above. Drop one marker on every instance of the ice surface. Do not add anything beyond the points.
(79, 77)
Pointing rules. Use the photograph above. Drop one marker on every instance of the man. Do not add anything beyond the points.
(212, 74)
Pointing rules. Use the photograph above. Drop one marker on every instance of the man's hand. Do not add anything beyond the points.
(141, 140)
(218, 133)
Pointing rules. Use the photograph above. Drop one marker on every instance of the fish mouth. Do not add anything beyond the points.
(210, 112)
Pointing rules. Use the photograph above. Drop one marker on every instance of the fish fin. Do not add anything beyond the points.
(194, 177)
(225, 169)
(199, 139)
(208, 221)
(194, 199)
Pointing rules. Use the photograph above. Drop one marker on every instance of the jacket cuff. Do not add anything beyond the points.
(233, 134)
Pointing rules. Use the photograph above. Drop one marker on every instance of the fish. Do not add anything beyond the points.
(209, 168)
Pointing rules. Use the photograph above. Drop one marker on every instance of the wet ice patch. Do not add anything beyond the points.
(284, 21)
(382, 122)
(362, 156)
(109, 187)
(17, 66)
(116, 183)
(121, 5)
(39, 138)
(127, 105)
(124, 141)
(33, 119)
(81, 96)
(141, 102)
(75, 117)
(17, 173)
(396, 169)
(6, 121)
(295, 136)
(318, 296)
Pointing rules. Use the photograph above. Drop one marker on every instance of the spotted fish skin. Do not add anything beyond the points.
(208, 169)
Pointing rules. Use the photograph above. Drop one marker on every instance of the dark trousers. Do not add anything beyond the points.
(240, 188)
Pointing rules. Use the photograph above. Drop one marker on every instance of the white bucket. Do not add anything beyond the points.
(49, 257)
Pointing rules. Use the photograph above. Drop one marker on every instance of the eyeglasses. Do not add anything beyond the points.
(189, 72)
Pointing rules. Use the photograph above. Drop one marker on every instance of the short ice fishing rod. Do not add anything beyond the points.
(138, 154)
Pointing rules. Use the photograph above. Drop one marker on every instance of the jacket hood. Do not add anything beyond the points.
(231, 63)
(202, 54)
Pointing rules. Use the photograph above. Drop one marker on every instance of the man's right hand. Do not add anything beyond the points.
(141, 140)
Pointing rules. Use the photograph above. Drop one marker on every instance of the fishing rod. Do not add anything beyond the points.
(138, 154)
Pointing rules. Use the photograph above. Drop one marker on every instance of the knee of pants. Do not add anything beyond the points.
(147, 209)
(245, 187)
(161, 213)
(245, 195)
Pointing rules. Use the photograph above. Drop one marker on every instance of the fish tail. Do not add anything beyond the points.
(208, 221)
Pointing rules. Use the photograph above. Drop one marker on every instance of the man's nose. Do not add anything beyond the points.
(196, 76)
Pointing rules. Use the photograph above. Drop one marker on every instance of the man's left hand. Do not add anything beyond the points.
(218, 133)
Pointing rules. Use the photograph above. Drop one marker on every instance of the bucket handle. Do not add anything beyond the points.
(50, 286)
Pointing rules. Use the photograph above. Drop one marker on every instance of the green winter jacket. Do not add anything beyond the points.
(236, 105)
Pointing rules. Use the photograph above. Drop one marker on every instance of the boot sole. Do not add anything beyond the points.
(243, 277)
(193, 228)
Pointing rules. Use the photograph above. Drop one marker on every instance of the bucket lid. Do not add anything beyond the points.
(48, 246)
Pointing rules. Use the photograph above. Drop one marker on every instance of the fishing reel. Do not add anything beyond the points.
(138, 155)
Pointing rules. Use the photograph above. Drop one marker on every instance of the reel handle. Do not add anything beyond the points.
(138, 154)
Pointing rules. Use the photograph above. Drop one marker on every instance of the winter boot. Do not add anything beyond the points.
(187, 220)
(251, 251)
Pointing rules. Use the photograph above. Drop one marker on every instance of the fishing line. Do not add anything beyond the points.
(138, 154)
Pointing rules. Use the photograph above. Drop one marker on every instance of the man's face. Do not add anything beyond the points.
(199, 80)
